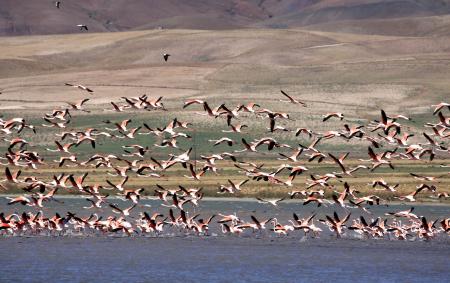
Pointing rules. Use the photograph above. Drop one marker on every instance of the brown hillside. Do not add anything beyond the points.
(361, 16)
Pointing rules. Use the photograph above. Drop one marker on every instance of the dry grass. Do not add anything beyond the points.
(354, 74)
(249, 63)
(174, 177)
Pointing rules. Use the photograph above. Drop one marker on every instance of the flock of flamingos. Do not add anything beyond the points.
(110, 205)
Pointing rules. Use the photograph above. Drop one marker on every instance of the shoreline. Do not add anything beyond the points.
(247, 199)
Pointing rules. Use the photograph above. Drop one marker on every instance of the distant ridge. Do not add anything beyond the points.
(408, 17)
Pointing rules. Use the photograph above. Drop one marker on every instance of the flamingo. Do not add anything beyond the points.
(23, 200)
(294, 157)
(291, 99)
(61, 125)
(235, 128)
(440, 106)
(124, 212)
(79, 105)
(336, 224)
(342, 196)
(226, 140)
(82, 87)
(195, 175)
(411, 196)
(273, 202)
(12, 177)
(378, 159)
(404, 213)
(338, 115)
(426, 178)
(177, 203)
(192, 101)
(120, 185)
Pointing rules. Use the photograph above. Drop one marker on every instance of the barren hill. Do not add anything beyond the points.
(397, 17)
(351, 72)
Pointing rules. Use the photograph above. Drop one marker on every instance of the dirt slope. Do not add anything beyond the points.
(42, 17)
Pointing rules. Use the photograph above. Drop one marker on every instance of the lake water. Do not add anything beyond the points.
(230, 259)
(221, 258)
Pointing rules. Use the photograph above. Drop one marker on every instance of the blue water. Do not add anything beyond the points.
(218, 258)
(230, 259)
